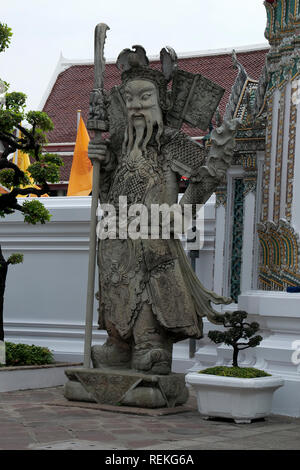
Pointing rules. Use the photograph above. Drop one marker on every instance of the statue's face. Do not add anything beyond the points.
(141, 100)
(144, 115)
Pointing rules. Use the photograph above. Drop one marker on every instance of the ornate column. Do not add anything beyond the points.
(271, 215)
(278, 264)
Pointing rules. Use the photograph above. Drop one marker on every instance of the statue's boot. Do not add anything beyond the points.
(152, 361)
(152, 352)
(111, 354)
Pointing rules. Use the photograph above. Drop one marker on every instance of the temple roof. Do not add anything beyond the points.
(72, 82)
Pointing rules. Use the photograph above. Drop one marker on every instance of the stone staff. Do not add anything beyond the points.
(97, 122)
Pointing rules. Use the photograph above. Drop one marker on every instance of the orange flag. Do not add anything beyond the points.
(3, 190)
(81, 177)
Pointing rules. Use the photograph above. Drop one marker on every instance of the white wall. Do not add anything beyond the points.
(46, 295)
(45, 299)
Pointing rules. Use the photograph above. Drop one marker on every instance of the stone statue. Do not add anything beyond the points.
(149, 296)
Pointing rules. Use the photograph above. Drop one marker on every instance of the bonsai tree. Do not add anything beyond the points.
(44, 168)
(240, 334)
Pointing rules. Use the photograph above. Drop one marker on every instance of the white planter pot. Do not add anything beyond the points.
(229, 397)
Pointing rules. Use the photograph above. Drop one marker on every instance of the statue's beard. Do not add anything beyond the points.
(139, 132)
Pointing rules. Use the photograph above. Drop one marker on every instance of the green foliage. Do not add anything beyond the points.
(7, 177)
(46, 169)
(13, 113)
(240, 372)
(9, 120)
(40, 120)
(25, 355)
(15, 258)
(238, 330)
(15, 101)
(34, 212)
(5, 36)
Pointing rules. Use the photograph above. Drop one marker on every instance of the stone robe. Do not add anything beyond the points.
(157, 272)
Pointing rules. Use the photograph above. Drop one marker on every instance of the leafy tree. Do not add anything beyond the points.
(238, 330)
(44, 168)
(5, 35)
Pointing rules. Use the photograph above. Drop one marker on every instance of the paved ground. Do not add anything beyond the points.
(30, 420)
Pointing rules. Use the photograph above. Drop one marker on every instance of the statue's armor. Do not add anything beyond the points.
(155, 272)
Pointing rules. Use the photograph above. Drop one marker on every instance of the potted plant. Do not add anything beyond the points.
(240, 393)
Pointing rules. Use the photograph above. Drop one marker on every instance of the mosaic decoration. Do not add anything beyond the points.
(279, 154)
(279, 257)
(267, 169)
(250, 140)
(246, 103)
(291, 161)
(237, 239)
(221, 196)
(250, 182)
(253, 103)
(283, 65)
(282, 32)
(282, 16)
(265, 216)
(242, 97)
(237, 90)
(248, 162)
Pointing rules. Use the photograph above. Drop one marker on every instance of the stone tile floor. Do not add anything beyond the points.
(30, 420)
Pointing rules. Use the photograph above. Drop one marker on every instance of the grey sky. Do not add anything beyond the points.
(44, 28)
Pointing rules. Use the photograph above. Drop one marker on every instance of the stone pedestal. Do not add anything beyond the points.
(125, 387)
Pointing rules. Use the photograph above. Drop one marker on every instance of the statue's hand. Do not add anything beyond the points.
(99, 151)
(222, 148)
